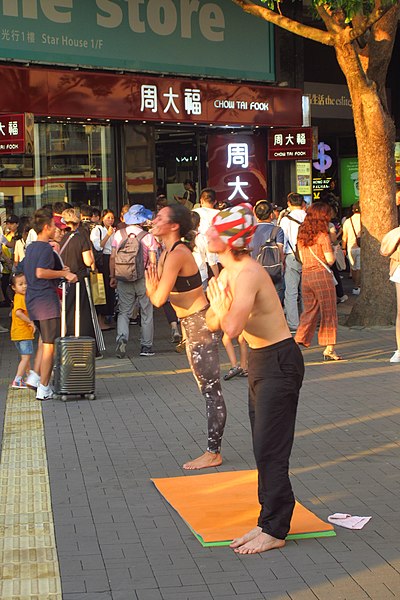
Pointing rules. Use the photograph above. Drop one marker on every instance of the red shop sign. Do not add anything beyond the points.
(13, 133)
(84, 94)
(237, 167)
(290, 144)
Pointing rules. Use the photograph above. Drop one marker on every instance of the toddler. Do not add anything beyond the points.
(22, 329)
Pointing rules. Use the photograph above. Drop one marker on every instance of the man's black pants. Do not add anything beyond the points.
(275, 377)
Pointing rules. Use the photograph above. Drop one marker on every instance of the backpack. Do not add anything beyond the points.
(129, 263)
(269, 256)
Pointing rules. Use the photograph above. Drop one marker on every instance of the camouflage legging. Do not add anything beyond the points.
(202, 352)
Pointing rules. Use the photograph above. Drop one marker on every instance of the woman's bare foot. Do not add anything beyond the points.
(250, 535)
(261, 543)
(208, 459)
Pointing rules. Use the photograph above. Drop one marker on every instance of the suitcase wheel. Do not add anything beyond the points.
(91, 397)
(64, 398)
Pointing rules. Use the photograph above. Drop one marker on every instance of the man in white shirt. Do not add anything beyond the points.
(207, 212)
(290, 225)
(350, 239)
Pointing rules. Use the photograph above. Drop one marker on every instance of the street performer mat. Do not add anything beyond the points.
(222, 506)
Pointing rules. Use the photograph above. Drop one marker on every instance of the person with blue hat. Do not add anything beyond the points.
(132, 250)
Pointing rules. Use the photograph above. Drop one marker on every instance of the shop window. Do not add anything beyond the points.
(72, 162)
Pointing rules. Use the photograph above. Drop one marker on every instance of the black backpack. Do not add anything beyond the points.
(269, 256)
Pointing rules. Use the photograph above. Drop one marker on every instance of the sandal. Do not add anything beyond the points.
(331, 356)
(233, 371)
(244, 373)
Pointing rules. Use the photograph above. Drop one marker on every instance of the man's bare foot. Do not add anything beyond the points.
(261, 543)
(250, 535)
(208, 459)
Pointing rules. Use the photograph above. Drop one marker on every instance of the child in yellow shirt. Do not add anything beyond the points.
(22, 330)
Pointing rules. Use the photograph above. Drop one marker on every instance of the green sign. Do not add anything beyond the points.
(187, 37)
(349, 181)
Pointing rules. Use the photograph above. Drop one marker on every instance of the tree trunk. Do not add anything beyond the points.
(375, 134)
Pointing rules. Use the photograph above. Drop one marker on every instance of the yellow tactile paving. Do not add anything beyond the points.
(28, 557)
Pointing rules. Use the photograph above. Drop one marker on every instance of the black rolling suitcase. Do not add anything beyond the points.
(74, 370)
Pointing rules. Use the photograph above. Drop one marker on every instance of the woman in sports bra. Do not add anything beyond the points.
(177, 278)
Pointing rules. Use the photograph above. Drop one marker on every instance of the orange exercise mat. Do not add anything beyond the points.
(221, 506)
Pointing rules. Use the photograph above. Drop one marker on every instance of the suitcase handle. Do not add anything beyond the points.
(64, 309)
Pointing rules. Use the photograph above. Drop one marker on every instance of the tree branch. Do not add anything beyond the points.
(377, 13)
(311, 33)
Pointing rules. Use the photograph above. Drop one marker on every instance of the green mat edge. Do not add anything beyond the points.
(292, 536)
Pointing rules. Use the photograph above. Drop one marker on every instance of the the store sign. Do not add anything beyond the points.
(16, 133)
(329, 101)
(290, 144)
(110, 96)
(237, 167)
(166, 36)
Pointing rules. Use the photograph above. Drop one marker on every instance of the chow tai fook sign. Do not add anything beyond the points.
(16, 133)
(88, 94)
(237, 167)
(174, 99)
(290, 144)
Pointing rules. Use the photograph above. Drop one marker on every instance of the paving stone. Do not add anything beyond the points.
(117, 539)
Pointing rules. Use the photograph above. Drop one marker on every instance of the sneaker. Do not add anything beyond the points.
(396, 357)
(3, 329)
(356, 291)
(175, 336)
(343, 298)
(33, 380)
(147, 351)
(19, 384)
(44, 392)
(233, 371)
(120, 351)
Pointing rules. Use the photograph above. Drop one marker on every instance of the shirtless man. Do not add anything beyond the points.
(244, 299)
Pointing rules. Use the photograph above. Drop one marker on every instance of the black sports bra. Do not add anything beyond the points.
(188, 282)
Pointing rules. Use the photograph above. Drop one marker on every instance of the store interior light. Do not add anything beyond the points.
(88, 119)
(144, 121)
(68, 118)
(126, 121)
(107, 120)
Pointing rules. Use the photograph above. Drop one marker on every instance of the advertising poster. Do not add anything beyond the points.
(303, 177)
(349, 181)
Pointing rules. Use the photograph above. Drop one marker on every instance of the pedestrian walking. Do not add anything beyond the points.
(318, 283)
(132, 250)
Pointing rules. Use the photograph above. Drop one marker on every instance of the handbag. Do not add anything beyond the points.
(340, 259)
(98, 289)
(324, 265)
